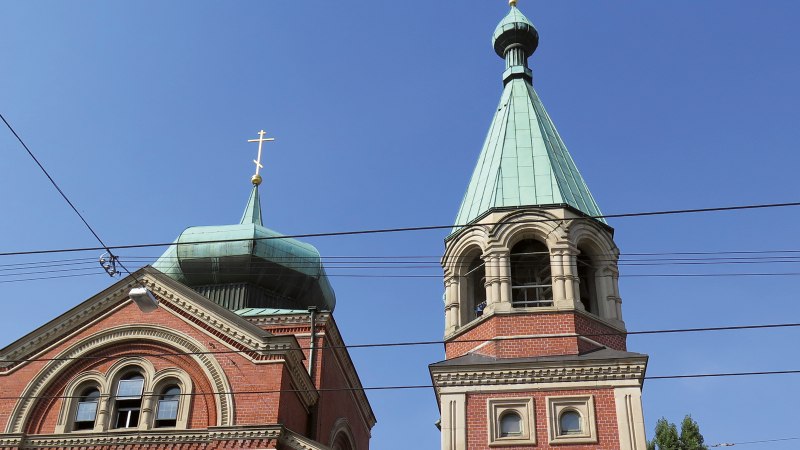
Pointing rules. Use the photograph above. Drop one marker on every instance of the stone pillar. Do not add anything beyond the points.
(505, 278)
(452, 312)
(492, 270)
(454, 421)
(630, 418)
(557, 275)
(101, 420)
(148, 407)
(570, 276)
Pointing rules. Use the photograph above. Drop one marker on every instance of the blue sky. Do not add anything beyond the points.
(141, 111)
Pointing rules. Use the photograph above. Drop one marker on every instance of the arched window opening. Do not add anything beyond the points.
(531, 282)
(129, 401)
(510, 424)
(587, 285)
(86, 412)
(476, 288)
(167, 409)
(341, 442)
(570, 423)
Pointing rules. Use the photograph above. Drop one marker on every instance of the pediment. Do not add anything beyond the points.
(179, 300)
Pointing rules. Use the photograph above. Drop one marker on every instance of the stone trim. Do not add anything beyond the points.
(39, 384)
(286, 437)
(583, 405)
(522, 407)
(551, 372)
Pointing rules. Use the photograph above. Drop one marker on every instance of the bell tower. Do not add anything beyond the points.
(536, 353)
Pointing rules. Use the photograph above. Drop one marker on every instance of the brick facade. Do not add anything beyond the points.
(270, 409)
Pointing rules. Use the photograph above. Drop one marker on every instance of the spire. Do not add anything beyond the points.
(252, 212)
(515, 39)
(523, 162)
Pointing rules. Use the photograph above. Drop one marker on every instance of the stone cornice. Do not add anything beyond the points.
(510, 373)
(171, 438)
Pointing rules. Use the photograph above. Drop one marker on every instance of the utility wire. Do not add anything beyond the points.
(402, 387)
(435, 342)
(409, 229)
(63, 195)
(764, 441)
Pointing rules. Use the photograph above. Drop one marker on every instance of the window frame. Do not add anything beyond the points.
(583, 405)
(523, 407)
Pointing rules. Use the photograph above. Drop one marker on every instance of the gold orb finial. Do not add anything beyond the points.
(512, 3)
(256, 179)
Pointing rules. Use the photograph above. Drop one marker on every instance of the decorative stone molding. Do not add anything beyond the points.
(523, 408)
(341, 426)
(583, 406)
(285, 437)
(564, 372)
(114, 336)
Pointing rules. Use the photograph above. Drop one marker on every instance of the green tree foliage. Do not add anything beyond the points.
(667, 437)
(691, 439)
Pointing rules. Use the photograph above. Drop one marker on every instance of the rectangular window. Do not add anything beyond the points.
(87, 411)
(167, 410)
(127, 418)
(128, 389)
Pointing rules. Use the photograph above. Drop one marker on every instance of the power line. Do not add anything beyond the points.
(63, 195)
(410, 229)
(436, 342)
(402, 387)
(763, 441)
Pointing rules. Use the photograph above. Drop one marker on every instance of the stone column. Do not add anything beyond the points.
(452, 312)
(101, 420)
(505, 278)
(148, 407)
(557, 275)
(570, 276)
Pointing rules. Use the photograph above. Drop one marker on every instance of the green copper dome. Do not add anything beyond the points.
(515, 30)
(523, 162)
(248, 265)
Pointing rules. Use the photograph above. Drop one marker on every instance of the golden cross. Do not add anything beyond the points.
(261, 139)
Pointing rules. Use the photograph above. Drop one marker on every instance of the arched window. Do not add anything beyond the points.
(342, 442)
(531, 282)
(86, 412)
(476, 288)
(510, 424)
(128, 400)
(167, 409)
(570, 423)
(587, 285)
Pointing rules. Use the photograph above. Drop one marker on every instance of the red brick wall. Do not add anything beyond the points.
(605, 416)
(242, 374)
(532, 324)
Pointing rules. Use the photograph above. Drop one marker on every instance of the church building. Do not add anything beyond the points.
(535, 344)
(227, 341)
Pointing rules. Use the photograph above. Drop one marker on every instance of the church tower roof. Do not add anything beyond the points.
(247, 265)
(524, 161)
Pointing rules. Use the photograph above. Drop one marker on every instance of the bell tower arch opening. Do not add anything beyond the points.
(531, 275)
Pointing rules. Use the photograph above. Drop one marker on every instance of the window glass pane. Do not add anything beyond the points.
(510, 425)
(86, 412)
(167, 410)
(172, 393)
(130, 388)
(570, 422)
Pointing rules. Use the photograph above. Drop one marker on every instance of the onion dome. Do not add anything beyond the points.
(248, 265)
(515, 31)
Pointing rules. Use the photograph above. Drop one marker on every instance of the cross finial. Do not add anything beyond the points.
(256, 179)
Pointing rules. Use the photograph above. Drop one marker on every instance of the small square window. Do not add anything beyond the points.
(571, 420)
(511, 422)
